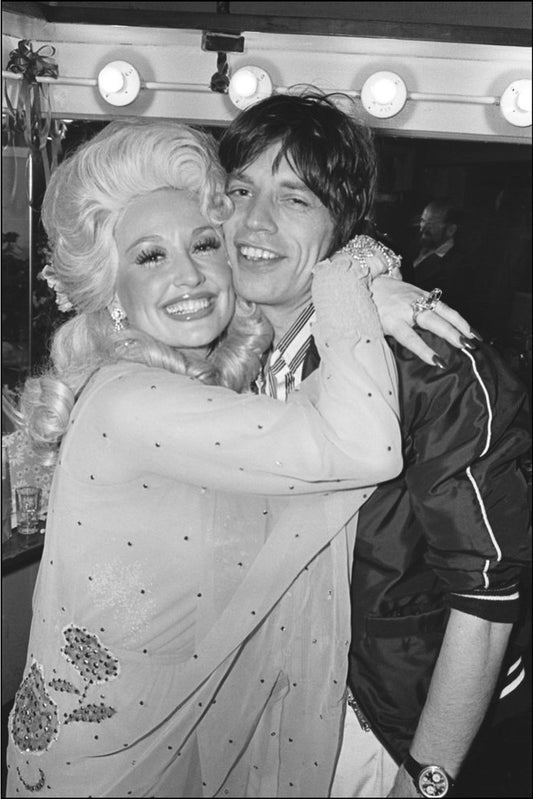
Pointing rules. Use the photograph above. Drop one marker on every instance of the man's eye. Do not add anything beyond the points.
(237, 191)
(299, 202)
(150, 257)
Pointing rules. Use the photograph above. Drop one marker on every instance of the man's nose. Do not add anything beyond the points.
(261, 215)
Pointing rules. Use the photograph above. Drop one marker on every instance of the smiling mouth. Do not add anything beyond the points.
(257, 254)
(189, 308)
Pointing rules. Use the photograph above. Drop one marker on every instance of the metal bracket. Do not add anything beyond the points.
(222, 42)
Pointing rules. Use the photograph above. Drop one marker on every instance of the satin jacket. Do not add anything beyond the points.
(453, 530)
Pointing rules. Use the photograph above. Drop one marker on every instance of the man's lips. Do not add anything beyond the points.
(252, 253)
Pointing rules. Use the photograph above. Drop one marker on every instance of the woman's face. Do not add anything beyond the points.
(173, 278)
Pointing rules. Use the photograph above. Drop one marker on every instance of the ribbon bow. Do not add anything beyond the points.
(29, 106)
(33, 65)
(29, 114)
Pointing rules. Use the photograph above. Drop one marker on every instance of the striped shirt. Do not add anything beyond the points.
(282, 372)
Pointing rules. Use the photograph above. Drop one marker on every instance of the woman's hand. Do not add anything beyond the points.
(394, 300)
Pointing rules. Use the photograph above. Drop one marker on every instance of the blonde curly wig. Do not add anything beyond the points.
(84, 199)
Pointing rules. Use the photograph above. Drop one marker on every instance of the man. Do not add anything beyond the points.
(438, 552)
(440, 261)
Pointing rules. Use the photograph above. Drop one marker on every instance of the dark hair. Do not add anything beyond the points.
(326, 147)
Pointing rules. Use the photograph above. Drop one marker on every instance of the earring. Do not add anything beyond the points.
(118, 316)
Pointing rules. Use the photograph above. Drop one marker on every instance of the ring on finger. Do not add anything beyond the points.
(426, 303)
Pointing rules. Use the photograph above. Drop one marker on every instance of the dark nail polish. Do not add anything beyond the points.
(476, 334)
(439, 362)
(469, 343)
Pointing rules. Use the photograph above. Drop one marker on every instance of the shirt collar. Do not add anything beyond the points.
(440, 251)
(286, 359)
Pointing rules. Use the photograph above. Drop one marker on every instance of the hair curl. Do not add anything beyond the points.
(84, 200)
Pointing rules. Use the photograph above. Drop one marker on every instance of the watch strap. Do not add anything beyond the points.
(430, 779)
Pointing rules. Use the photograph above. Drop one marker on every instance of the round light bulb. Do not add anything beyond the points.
(384, 91)
(249, 85)
(383, 94)
(244, 83)
(515, 103)
(111, 80)
(523, 100)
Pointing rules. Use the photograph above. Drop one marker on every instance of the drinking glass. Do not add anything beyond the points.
(28, 505)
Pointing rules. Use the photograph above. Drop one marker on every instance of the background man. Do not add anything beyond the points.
(440, 260)
(438, 552)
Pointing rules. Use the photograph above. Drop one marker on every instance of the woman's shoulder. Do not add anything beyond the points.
(121, 384)
(130, 373)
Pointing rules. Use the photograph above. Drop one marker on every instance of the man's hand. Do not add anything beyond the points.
(394, 301)
(403, 785)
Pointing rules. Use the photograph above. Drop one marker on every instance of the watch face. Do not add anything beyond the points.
(433, 781)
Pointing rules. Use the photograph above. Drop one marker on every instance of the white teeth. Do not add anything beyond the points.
(256, 254)
(187, 306)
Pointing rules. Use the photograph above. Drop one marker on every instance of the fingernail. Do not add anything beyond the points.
(439, 362)
(476, 334)
(468, 343)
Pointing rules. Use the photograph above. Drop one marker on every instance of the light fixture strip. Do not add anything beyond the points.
(45, 79)
(196, 87)
(152, 85)
(454, 98)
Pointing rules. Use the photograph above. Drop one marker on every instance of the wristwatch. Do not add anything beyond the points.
(430, 780)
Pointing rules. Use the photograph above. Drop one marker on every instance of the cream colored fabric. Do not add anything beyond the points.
(191, 614)
(364, 768)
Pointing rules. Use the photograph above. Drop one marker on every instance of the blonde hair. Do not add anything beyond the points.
(83, 202)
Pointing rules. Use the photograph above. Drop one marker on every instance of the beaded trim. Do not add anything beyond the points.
(360, 247)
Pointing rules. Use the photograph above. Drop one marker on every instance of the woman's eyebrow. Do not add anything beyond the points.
(141, 239)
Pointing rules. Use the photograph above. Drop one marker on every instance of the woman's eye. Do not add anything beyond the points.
(150, 257)
(206, 245)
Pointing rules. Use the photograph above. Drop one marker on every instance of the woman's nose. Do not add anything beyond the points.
(187, 273)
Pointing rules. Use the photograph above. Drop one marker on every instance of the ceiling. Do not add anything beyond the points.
(504, 23)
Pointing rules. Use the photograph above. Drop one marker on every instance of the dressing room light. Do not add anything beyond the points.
(384, 94)
(515, 103)
(248, 85)
(119, 83)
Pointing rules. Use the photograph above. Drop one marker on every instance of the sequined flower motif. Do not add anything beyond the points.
(33, 721)
(88, 655)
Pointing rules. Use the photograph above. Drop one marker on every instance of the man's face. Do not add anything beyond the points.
(433, 229)
(277, 234)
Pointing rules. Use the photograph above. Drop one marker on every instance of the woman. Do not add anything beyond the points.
(173, 617)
